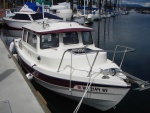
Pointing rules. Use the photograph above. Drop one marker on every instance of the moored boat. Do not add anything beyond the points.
(23, 18)
(62, 57)
(28, 14)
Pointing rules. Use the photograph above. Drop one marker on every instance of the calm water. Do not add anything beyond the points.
(131, 30)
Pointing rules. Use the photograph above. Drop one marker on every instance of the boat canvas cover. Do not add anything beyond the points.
(31, 7)
(46, 15)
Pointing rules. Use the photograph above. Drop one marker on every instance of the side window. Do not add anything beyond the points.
(32, 40)
(49, 41)
(70, 38)
(25, 35)
(87, 38)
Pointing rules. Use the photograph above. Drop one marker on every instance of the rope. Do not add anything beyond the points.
(87, 88)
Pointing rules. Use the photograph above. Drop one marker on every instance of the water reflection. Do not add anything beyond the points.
(12, 32)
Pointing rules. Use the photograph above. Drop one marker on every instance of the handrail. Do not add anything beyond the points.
(84, 50)
(62, 60)
(127, 49)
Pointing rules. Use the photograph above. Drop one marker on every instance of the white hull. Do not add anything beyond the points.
(64, 13)
(96, 16)
(99, 100)
(15, 23)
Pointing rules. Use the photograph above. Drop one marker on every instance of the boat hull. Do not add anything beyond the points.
(16, 24)
(99, 100)
(99, 96)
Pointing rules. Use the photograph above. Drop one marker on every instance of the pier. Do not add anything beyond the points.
(17, 94)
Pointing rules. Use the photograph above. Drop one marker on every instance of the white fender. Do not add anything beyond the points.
(29, 76)
(11, 47)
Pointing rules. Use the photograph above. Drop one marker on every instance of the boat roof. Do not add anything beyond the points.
(55, 27)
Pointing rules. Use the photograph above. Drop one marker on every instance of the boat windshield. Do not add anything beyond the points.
(49, 41)
(21, 17)
(70, 38)
(87, 38)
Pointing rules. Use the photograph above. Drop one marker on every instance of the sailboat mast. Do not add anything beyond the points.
(52, 2)
(84, 7)
(43, 8)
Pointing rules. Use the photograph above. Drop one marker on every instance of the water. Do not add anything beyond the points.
(129, 30)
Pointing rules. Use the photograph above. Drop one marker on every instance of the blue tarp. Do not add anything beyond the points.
(33, 6)
(38, 16)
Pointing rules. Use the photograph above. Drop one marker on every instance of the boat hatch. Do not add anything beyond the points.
(80, 50)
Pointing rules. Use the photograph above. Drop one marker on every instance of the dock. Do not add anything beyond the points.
(17, 94)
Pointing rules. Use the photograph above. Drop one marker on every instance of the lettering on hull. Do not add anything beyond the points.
(91, 89)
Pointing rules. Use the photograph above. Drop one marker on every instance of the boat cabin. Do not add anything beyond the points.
(49, 43)
(57, 39)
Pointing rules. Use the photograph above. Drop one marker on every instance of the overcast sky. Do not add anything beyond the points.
(145, 3)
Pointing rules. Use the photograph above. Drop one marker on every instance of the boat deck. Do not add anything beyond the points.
(17, 94)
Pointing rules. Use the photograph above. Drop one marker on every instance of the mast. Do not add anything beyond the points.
(84, 7)
(52, 2)
(4, 5)
(43, 8)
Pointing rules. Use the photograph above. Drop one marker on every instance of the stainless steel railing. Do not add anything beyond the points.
(84, 50)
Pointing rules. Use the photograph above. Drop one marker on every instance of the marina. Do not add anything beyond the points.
(103, 66)
(106, 34)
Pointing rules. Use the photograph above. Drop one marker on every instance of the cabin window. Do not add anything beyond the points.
(49, 41)
(70, 38)
(25, 35)
(87, 38)
(37, 16)
(32, 40)
(21, 17)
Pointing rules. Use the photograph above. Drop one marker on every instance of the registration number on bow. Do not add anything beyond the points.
(92, 88)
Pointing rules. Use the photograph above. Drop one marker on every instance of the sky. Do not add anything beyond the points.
(145, 3)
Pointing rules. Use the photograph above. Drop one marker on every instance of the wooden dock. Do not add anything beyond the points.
(17, 94)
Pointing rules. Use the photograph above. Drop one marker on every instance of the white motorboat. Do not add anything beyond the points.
(23, 18)
(26, 15)
(62, 57)
(16, 22)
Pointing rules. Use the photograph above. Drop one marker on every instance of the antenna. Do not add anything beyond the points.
(43, 8)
